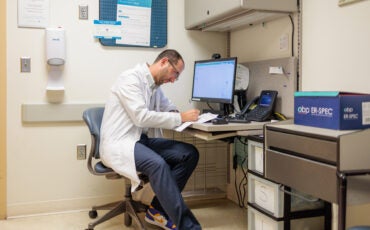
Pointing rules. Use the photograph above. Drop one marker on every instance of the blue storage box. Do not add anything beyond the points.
(332, 109)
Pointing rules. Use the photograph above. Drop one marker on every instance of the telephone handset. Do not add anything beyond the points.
(249, 106)
(260, 108)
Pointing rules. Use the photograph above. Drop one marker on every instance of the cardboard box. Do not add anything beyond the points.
(332, 109)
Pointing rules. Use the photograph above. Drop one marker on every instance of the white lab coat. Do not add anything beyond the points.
(127, 113)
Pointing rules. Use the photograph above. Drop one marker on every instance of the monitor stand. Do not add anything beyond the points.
(225, 109)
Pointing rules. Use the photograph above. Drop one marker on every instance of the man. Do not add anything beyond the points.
(135, 106)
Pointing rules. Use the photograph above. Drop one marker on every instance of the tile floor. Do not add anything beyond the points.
(212, 214)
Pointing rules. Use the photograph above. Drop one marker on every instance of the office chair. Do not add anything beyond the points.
(128, 206)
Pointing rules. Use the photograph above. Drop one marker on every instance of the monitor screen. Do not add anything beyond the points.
(214, 80)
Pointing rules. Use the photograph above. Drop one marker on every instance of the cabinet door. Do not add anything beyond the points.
(202, 11)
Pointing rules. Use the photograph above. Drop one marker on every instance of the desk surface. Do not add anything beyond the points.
(209, 127)
(209, 131)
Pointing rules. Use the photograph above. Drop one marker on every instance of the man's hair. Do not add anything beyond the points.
(172, 55)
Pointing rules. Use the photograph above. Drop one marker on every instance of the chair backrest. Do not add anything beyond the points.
(93, 119)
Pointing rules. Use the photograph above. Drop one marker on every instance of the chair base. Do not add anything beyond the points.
(130, 208)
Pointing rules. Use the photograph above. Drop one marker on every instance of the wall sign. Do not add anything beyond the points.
(143, 22)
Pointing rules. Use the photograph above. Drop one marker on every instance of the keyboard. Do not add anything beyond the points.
(237, 120)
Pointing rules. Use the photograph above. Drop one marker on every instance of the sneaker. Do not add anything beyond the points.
(154, 217)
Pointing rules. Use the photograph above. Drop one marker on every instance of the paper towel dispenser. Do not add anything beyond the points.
(226, 15)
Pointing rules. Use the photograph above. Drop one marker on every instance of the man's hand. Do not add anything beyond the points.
(190, 115)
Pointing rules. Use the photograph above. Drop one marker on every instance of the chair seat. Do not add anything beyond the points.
(101, 168)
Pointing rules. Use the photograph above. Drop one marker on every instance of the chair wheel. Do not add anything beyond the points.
(93, 214)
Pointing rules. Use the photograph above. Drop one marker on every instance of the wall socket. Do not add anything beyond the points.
(81, 152)
(83, 11)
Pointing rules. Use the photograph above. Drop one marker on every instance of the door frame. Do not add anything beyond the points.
(3, 111)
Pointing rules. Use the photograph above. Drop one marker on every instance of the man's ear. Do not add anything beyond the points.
(164, 60)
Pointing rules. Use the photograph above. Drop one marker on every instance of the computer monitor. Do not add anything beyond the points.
(214, 80)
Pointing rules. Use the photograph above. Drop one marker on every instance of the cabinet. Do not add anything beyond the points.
(316, 161)
(275, 206)
(222, 15)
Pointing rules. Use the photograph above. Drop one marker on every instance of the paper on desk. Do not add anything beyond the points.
(202, 119)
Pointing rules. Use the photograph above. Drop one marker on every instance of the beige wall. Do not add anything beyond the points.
(336, 47)
(3, 109)
(43, 173)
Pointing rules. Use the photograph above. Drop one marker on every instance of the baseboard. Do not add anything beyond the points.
(56, 206)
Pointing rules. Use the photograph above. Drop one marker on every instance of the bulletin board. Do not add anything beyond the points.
(158, 27)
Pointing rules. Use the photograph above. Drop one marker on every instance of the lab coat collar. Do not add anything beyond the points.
(150, 78)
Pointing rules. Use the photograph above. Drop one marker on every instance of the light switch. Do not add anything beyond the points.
(25, 64)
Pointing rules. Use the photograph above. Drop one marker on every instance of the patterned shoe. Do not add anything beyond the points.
(154, 217)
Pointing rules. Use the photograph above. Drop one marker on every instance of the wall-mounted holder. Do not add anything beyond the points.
(55, 58)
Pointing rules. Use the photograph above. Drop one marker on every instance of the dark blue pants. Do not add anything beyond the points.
(168, 164)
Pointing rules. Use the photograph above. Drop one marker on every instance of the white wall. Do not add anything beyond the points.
(336, 46)
(43, 173)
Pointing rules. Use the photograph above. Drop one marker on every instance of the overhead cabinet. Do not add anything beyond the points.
(225, 15)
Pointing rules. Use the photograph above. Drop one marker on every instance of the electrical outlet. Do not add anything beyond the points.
(81, 152)
(83, 11)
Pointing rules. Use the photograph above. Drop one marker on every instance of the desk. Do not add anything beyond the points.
(317, 161)
(206, 138)
(209, 131)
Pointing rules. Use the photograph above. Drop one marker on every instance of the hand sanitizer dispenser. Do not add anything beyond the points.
(55, 46)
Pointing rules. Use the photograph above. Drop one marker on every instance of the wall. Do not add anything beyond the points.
(336, 47)
(43, 173)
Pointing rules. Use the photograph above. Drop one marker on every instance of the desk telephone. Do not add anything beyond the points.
(260, 108)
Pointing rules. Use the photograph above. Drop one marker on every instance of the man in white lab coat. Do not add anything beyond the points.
(135, 106)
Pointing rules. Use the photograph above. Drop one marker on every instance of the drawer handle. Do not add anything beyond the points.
(281, 188)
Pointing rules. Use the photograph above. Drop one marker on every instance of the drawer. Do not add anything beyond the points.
(315, 178)
(255, 157)
(269, 197)
(258, 221)
(265, 194)
(313, 148)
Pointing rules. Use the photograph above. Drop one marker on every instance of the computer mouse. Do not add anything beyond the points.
(219, 121)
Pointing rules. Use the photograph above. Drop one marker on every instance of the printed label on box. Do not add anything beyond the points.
(365, 113)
